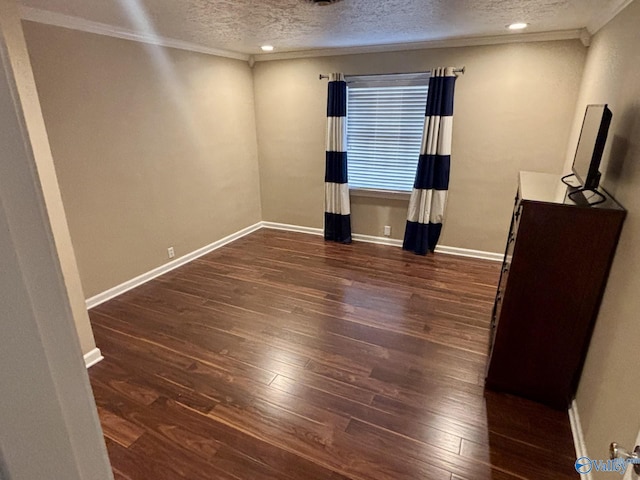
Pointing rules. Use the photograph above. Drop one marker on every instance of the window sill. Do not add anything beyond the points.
(371, 193)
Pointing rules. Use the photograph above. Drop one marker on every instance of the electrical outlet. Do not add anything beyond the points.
(171, 252)
(387, 230)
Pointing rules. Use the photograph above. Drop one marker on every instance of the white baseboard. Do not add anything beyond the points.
(392, 242)
(93, 357)
(467, 252)
(292, 228)
(167, 267)
(461, 252)
(578, 435)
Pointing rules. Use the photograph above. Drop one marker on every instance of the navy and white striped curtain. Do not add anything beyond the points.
(337, 209)
(429, 196)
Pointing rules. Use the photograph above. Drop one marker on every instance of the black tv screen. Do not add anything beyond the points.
(593, 137)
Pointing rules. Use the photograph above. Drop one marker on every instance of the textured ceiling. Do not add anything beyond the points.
(244, 25)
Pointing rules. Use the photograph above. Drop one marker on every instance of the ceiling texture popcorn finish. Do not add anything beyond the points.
(241, 26)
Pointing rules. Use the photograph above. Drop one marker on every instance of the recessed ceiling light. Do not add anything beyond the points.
(267, 48)
(518, 26)
(322, 2)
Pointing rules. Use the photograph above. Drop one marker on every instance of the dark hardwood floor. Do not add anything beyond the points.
(281, 356)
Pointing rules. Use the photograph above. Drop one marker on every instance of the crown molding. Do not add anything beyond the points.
(585, 37)
(445, 43)
(607, 15)
(75, 23)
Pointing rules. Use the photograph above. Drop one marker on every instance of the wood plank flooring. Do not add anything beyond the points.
(281, 356)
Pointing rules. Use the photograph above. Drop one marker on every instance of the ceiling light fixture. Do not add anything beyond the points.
(267, 48)
(323, 2)
(518, 26)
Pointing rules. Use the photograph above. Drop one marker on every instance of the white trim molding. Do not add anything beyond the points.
(83, 25)
(467, 252)
(92, 357)
(460, 252)
(578, 435)
(75, 23)
(292, 228)
(392, 242)
(585, 37)
(444, 43)
(167, 267)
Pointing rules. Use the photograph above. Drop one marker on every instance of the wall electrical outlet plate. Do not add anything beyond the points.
(387, 230)
(171, 252)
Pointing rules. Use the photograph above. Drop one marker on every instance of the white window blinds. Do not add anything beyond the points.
(385, 120)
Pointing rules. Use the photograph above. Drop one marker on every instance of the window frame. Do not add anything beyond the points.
(381, 81)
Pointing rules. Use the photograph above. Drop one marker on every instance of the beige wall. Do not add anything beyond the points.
(513, 111)
(153, 148)
(609, 393)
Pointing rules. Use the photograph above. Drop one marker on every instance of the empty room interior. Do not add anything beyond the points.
(298, 239)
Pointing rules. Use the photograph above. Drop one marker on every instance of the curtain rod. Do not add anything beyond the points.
(457, 71)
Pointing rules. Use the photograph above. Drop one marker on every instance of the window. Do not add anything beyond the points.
(385, 120)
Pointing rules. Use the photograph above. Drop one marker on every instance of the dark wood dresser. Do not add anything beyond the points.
(556, 265)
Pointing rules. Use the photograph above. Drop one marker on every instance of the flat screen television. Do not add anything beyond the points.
(593, 138)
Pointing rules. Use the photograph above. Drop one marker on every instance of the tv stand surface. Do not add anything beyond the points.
(556, 265)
